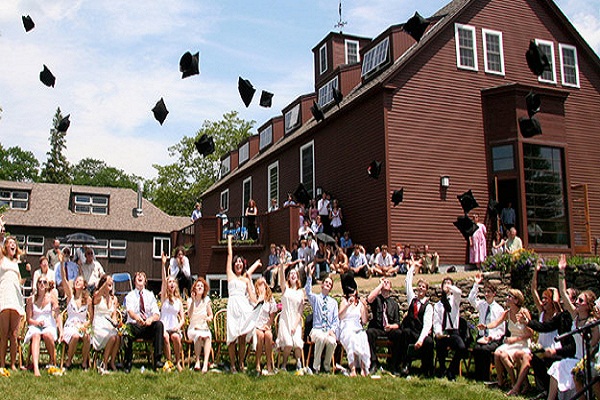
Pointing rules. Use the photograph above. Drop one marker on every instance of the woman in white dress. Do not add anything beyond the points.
(265, 311)
(353, 315)
(43, 317)
(200, 314)
(103, 311)
(171, 314)
(514, 355)
(548, 307)
(289, 335)
(77, 323)
(12, 307)
(582, 312)
(240, 321)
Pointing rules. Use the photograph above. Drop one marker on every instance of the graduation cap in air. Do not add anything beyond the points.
(467, 201)
(28, 23)
(349, 285)
(266, 99)
(416, 26)
(64, 124)
(189, 64)
(47, 78)
(301, 194)
(530, 127)
(205, 145)
(317, 112)
(160, 111)
(536, 59)
(397, 196)
(246, 90)
(533, 102)
(374, 169)
(494, 207)
(337, 96)
(466, 226)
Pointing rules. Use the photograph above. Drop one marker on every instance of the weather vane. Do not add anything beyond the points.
(340, 23)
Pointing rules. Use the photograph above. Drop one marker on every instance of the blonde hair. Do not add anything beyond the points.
(268, 293)
(174, 294)
(517, 294)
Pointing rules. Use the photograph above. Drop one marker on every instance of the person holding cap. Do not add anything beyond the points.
(353, 315)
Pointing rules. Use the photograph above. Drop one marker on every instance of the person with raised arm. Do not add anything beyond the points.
(171, 315)
(265, 311)
(200, 314)
(353, 316)
(240, 320)
(103, 313)
(289, 335)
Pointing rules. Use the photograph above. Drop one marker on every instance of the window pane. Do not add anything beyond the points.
(503, 158)
(20, 195)
(467, 55)
(80, 199)
(308, 168)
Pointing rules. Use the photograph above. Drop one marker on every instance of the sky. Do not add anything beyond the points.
(114, 59)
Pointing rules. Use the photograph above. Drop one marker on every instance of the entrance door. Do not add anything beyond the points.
(508, 193)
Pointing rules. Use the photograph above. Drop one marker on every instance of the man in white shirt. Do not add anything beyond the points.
(143, 320)
(416, 325)
(323, 209)
(179, 268)
(90, 269)
(384, 263)
(489, 339)
(446, 315)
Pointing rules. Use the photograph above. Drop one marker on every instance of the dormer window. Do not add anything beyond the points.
(14, 199)
(375, 58)
(292, 118)
(326, 92)
(266, 137)
(352, 55)
(244, 153)
(90, 204)
(323, 59)
(225, 165)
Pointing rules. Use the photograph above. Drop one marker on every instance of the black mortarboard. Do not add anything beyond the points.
(266, 99)
(46, 77)
(466, 226)
(337, 96)
(397, 196)
(301, 194)
(205, 145)
(374, 169)
(529, 127)
(64, 124)
(189, 64)
(467, 201)
(246, 90)
(494, 207)
(317, 112)
(533, 103)
(348, 282)
(536, 59)
(28, 23)
(160, 111)
(416, 26)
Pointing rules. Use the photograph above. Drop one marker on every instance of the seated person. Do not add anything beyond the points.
(416, 325)
(358, 262)
(346, 242)
(322, 257)
(270, 272)
(179, 269)
(305, 230)
(45, 272)
(72, 270)
(340, 262)
(317, 225)
(407, 257)
(372, 258)
(384, 263)
(430, 261)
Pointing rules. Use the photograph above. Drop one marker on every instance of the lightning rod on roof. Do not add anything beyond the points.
(341, 23)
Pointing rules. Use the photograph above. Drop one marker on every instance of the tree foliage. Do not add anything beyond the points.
(56, 169)
(180, 184)
(18, 165)
(92, 172)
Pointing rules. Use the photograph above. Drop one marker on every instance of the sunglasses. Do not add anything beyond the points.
(43, 282)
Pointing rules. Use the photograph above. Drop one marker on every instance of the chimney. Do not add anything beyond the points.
(138, 212)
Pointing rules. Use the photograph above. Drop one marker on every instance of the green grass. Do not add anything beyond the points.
(78, 384)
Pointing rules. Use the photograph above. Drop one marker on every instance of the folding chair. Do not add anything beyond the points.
(122, 283)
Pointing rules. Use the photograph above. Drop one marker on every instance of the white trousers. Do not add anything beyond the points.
(323, 340)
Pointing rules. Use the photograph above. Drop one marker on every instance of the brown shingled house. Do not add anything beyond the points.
(40, 212)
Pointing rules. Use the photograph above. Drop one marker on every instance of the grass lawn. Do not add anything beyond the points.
(77, 384)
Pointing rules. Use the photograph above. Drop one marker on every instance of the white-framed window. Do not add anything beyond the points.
(161, 245)
(21, 239)
(90, 204)
(100, 248)
(246, 193)
(323, 59)
(35, 245)
(493, 52)
(547, 47)
(307, 167)
(376, 57)
(218, 285)
(326, 92)
(14, 199)
(569, 65)
(225, 165)
(273, 182)
(225, 199)
(244, 152)
(352, 54)
(265, 137)
(118, 248)
(466, 51)
(292, 118)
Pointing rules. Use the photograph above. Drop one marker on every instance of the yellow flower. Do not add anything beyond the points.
(168, 367)
(55, 371)
(5, 372)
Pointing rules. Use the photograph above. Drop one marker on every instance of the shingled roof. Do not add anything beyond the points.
(49, 208)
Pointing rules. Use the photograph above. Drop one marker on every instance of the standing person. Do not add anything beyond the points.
(513, 243)
(45, 272)
(250, 214)
(313, 211)
(11, 300)
(385, 323)
(336, 218)
(265, 310)
(239, 309)
(323, 210)
(446, 322)
(52, 254)
(417, 324)
(508, 216)
(143, 320)
(477, 244)
(103, 312)
(77, 323)
(488, 340)
(197, 213)
(179, 269)
(171, 315)
(91, 269)
(200, 314)
(43, 317)
(353, 315)
(325, 320)
(71, 269)
(270, 273)
(289, 201)
(273, 206)
(289, 336)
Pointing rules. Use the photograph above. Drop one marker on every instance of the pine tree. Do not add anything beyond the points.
(56, 169)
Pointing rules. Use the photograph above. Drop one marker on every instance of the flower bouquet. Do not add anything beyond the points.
(168, 367)
(55, 371)
(5, 372)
